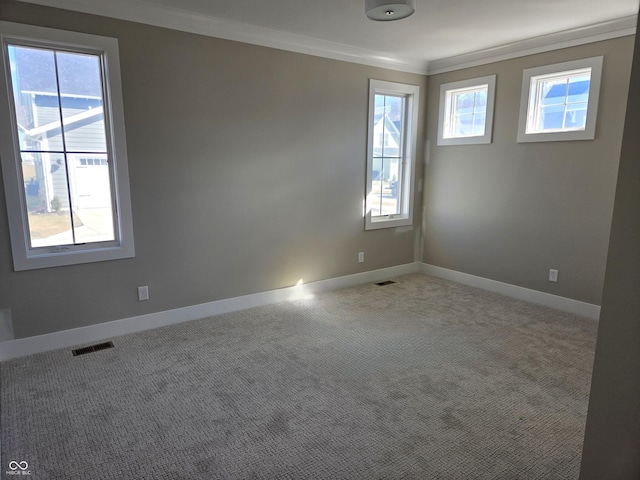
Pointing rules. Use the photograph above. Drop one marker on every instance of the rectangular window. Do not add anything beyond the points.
(560, 102)
(63, 113)
(393, 117)
(466, 111)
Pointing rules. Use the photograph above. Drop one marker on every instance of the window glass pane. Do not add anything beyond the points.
(551, 117)
(554, 92)
(35, 96)
(387, 151)
(563, 102)
(82, 106)
(465, 100)
(481, 99)
(388, 190)
(579, 90)
(91, 199)
(47, 199)
(385, 188)
(376, 187)
(464, 103)
(478, 124)
(576, 116)
(480, 109)
(69, 197)
(380, 129)
(464, 125)
(394, 106)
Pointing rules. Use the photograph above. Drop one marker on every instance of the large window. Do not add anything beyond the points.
(393, 118)
(466, 111)
(63, 148)
(560, 102)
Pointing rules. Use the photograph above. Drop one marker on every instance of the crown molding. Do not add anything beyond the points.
(162, 16)
(176, 19)
(620, 27)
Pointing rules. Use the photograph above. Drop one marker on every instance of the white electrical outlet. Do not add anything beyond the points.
(143, 293)
(553, 275)
(360, 257)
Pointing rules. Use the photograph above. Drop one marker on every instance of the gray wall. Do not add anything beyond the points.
(612, 438)
(247, 169)
(509, 211)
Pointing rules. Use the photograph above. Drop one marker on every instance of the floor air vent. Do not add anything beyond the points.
(382, 284)
(92, 348)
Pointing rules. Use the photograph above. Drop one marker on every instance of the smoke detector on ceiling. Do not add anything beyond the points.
(388, 10)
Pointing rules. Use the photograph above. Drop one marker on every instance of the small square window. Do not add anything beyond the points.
(466, 111)
(560, 102)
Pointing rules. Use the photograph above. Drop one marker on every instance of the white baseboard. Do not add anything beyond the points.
(577, 307)
(6, 325)
(93, 333)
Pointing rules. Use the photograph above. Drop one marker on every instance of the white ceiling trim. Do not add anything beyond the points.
(555, 41)
(162, 16)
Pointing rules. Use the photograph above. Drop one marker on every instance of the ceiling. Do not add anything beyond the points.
(442, 34)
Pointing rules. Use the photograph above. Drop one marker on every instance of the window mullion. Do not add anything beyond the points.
(64, 148)
(565, 103)
(538, 106)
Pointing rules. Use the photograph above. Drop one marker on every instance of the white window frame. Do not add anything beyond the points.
(26, 257)
(529, 101)
(445, 114)
(411, 93)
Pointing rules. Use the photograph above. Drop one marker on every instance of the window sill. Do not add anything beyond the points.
(567, 136)
(32, 261)
(479, 140)
(388, 222)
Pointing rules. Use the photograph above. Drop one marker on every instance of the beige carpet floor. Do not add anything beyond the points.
(419, 379)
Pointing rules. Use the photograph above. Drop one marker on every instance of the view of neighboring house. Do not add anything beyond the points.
(63, 144)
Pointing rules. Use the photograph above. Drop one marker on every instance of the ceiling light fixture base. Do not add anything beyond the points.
(389, 10)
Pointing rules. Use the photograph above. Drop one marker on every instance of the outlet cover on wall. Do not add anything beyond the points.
(360, 257)
(143, 293)
(553, 275)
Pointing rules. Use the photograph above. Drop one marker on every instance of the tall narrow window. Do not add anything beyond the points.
(63, 156)
(59, 110)
(391, 152)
